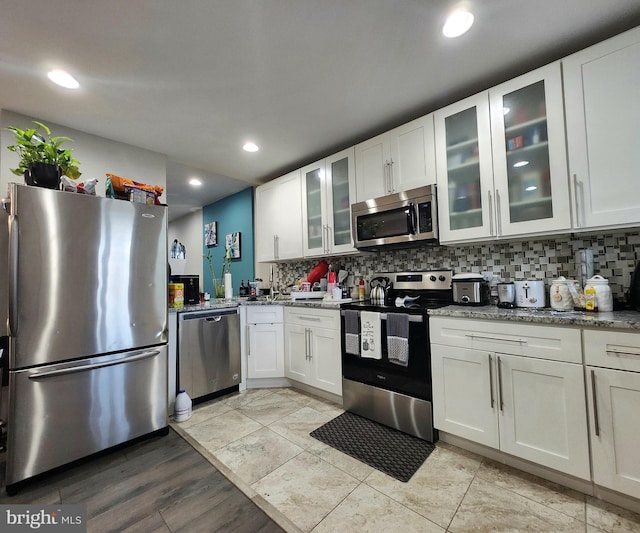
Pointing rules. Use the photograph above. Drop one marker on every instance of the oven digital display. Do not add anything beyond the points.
(411, 278)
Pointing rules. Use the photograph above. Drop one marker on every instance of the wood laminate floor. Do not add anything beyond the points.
(158, 485)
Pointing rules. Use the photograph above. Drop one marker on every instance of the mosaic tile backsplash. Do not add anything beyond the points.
(614, 257)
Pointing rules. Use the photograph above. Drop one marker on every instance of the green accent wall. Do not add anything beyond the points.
(232, 214)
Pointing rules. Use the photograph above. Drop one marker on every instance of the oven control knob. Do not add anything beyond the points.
(465, 299)
(442, 278)
(432, 278)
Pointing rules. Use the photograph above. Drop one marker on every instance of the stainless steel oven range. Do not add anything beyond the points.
(392, 384)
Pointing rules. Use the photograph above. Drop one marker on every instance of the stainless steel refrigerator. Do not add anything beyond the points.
(84, 300)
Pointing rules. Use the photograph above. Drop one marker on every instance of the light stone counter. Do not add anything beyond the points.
(614, 319)
(221, 303)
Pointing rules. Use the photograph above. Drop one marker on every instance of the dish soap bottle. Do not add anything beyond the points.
(590, 303)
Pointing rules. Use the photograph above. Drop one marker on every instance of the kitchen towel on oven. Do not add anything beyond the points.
(398, 338)
(370, 335)
(352, 332)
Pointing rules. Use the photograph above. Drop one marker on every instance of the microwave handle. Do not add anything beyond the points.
(413, 217)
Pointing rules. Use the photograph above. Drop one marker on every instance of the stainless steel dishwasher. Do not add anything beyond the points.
(208, 352)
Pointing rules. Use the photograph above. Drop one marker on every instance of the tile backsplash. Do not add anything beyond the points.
(614, 257)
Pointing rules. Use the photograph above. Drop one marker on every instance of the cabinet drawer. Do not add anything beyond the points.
(320, 318)
(528, 340)
(264, 314)
(612, 349)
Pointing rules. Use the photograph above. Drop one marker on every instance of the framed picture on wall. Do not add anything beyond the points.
(232, 243)
(211, 234)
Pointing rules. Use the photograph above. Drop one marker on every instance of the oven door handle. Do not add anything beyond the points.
(383, 316)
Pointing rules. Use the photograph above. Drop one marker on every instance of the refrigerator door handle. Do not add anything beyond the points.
(84, 368)
(13, 276)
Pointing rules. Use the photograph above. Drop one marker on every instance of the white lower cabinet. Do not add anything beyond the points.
(265, 333)
(529, 407)
(614, 406)
(312, 348)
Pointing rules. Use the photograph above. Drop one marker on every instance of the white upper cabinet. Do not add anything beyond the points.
(398, 160)
(278, 227)
(602, 86)
(328, 189)
(501, 161)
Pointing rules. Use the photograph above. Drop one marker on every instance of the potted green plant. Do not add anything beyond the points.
(42, 158)
(218, 283)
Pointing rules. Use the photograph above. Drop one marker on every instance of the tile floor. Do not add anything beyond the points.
(260, 440)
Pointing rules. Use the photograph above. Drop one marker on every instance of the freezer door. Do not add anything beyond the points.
(4, 272)
(60, 413)
(87, 276)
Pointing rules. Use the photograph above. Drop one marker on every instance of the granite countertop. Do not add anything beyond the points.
(221, 303)
(614, 319)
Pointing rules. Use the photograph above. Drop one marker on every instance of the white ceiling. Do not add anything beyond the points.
(195, 79)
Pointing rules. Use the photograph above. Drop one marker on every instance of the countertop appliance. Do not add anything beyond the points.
(86, 309)
(395, 395)
(530, 293)
(470, 289)
(209, 353)
(191, 287)
(399, 220)
(633, 296)
(506, 295)
(379, 285)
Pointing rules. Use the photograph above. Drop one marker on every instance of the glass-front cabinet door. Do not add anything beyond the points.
(341, 193)
(530, 170)
(464, 170)
(313, 207)
(328, 189)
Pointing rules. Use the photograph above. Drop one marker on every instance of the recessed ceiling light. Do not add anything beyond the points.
(457, 23)
(64, 79)
(520, 164)
(195, 182)
(250, 147)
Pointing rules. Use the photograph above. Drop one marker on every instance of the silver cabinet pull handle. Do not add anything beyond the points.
(577, 198)
(500, 383)
(491, 382)
(486, 337)
(309, 318)
(275, 253)
(629, 355)
(391, 184)
(499, 212)
(490, 213)
(386, 176)
(596, 420)
(248, 339)
(84, 368)
(328, 241)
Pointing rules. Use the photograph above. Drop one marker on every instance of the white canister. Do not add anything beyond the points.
(604, 298)
(560, 297)
(228, 286)
(183, 408)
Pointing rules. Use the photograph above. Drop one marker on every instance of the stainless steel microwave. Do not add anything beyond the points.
(398, 220)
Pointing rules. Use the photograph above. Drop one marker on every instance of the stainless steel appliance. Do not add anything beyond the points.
(399, 220)
(506, 295)
(209, 353)
(530, 293)
(392, 394)
(191, 287)
(86, 308)
(379, 286)
(470, 289)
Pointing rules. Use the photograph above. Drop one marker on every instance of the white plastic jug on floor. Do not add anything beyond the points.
(183, 407)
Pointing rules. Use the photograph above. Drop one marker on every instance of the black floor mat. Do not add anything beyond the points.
(393, 452)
